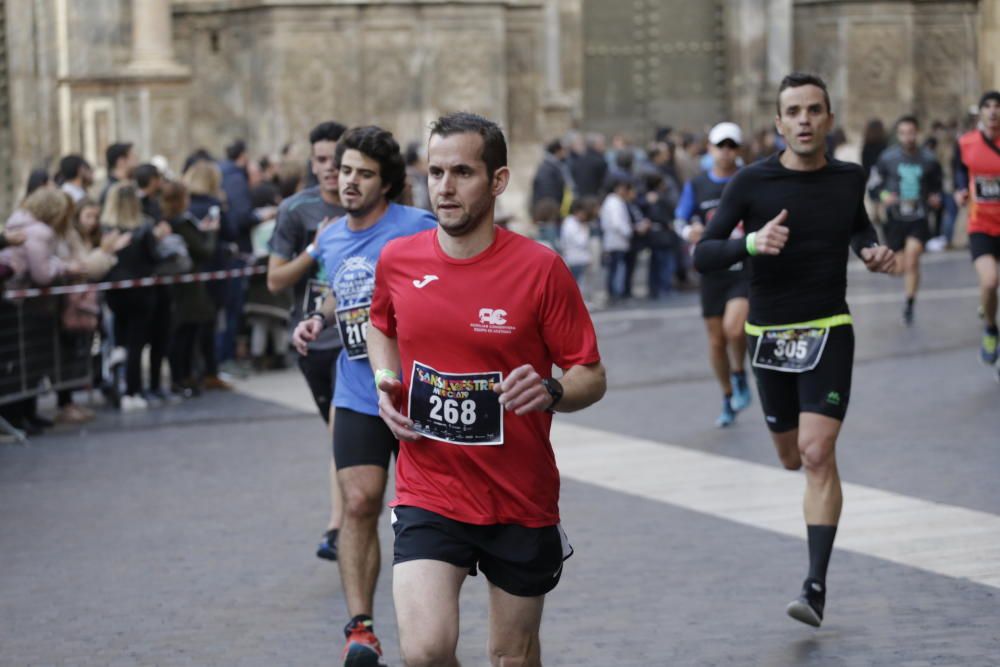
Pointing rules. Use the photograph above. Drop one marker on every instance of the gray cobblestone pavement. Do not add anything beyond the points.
(185, 536)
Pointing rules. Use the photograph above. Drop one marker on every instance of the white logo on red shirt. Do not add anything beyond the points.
(490, 316)
(420, 284)
(492, 320)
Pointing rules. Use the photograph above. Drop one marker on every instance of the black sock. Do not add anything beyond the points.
(909, 302)
(992, 331)
(820, 547)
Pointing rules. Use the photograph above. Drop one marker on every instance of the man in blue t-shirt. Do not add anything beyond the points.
(372, 174)
(724, 294)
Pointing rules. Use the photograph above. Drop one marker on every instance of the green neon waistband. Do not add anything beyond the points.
(822, 323)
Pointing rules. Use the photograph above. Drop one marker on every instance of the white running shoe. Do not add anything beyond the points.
(118, 356)
(937, 244)
(134, 403)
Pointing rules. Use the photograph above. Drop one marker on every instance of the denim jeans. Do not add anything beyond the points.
(616, 273)
(662, 265)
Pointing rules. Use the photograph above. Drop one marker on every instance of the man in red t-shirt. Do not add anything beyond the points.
(977, 181)
(467, 322)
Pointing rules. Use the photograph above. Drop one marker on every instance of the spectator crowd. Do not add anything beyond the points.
(608, 206)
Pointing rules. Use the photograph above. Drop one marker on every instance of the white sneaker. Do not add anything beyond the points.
(118, 356)
(937, 244)
(133, 403)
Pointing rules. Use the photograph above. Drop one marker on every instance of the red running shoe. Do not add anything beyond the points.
(362, 648)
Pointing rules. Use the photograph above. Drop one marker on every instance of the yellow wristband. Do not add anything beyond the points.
(383, 373)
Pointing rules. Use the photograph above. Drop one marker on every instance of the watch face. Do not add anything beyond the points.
(553, 387)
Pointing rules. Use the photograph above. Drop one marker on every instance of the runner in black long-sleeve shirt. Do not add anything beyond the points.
(801, 211)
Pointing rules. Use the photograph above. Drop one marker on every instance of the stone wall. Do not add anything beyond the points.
(885, 59)
(392, 64)
(758, 54)
(268, 70)
(989, 44)
(31, 85)
(6, 136)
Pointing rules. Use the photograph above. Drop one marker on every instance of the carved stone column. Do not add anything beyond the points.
(989, 44)
(152, 40)
(779, 42)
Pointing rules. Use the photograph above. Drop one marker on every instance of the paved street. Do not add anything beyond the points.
(185, 536)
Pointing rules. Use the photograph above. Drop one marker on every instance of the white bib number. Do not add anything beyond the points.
(988, 189)
(315, 294)
(790, 350)
(353, 324)
(458, 408)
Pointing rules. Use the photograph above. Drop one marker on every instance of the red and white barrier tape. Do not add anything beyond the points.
(141, 282)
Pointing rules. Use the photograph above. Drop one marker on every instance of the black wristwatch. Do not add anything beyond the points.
(555, 389)
(315, 313)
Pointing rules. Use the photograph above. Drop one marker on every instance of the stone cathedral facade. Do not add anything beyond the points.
(173, 75)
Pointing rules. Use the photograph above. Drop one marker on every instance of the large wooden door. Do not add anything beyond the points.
(649, 63)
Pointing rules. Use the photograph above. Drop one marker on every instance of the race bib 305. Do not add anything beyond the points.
(790, 350)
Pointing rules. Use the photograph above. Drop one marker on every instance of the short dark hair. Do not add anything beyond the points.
(329, 131)
(663, 133)
(117, 151)
(989, 96)
(199, 154)
(799, 79)
(70, 166)
(618, 181)
(586, 203)
(236, 149)
(624, 159)
(379, 145)
(494, 143)
(144, 174)
(37, 178)
(652, 181)
(908, 118)
(554, 146)
(412, 154)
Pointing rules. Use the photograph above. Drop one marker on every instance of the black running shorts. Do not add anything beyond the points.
(319, 368)
(521, 561)
(824, 390)
(984, 244)
(360, 439)
(719, 287)
(897, 231)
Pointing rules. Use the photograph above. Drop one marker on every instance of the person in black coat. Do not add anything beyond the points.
(203, 180)
(550, 178)
(194, 309)
(132, 307)
(589, 168)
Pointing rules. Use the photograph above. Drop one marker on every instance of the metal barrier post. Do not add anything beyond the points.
(18, 434)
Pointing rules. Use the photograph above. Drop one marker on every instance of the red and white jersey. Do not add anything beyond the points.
(983, 163)
(461, 326)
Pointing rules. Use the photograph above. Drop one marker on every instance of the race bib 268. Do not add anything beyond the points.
(459, 408)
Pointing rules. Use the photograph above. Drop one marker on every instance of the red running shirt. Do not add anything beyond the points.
(514, 303)
(983, 164)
